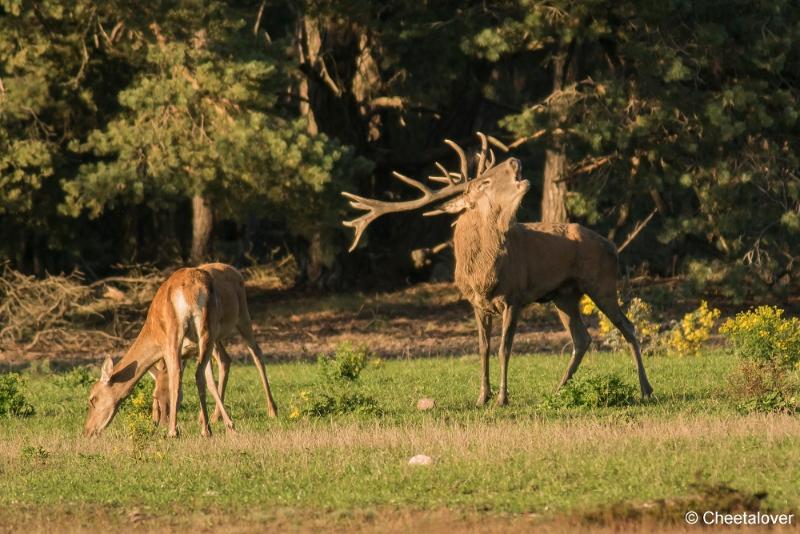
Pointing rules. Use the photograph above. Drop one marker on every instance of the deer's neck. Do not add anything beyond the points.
(479, 242)
(143, 353)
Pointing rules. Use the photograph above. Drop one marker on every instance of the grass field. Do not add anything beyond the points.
(525, 464)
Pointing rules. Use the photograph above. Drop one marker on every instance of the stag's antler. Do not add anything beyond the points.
(456, 183)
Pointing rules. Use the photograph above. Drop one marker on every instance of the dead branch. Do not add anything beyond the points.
(637, 229)
(523, 140)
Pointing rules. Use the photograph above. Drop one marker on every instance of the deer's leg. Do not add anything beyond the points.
(570, 315)
(174, 374)
(258, 359)
(203, 365)
(510, 316)
(160, 408)
(205, 378)
(484, 321)
(223, 368)
(608, 305)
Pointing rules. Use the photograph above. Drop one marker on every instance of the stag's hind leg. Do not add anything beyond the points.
(223, 369)
(569, 312)
(609, 306)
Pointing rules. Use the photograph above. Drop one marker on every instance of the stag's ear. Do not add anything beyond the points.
(457, 205)
(106, 370)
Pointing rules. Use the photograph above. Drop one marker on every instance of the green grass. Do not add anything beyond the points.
(524, 458)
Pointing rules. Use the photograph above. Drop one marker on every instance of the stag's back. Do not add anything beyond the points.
(544, 257)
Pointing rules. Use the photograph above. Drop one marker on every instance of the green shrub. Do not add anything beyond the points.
(12, 401)
(337, 390)
(77, 377)
(593, 391)
(346, 363)
(338, 403)
(768, 347)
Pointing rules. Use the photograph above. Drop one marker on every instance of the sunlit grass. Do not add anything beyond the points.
(524, 458)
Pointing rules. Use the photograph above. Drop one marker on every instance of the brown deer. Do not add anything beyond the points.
(503, 265)
(202, 305)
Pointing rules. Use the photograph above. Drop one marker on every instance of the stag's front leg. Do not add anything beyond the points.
(510, 316)
(484, 321)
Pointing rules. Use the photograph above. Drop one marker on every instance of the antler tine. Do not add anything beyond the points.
(462, 157)
(491, 160)
(412, 182)
(446, 177)
(482, 156)
(375, 208)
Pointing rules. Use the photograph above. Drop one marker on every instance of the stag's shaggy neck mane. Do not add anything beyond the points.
(479, 241)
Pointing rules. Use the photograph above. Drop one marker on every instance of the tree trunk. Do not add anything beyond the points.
(554, 189)
(202, 222)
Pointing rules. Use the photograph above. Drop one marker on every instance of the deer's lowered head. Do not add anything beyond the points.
(106, 395)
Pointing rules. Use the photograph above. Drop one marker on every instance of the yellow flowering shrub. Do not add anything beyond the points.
(765, 335)
(136, 415)
(639, 313)
(694, 330)
(768, 347)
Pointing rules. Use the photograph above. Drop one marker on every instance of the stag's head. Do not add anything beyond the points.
(103, 401)
(496, 189)
(497, 192)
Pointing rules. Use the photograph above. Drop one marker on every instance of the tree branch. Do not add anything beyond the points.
(636, 230)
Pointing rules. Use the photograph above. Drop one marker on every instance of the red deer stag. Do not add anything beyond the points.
(203, 305)
(503, 265)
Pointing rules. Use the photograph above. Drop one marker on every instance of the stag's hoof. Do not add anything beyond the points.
(205, 432)
(502, 400)
(172, 433)
(272, 411)
(483, 398)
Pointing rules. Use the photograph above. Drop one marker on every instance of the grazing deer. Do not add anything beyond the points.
(503, 265)
(201, 305)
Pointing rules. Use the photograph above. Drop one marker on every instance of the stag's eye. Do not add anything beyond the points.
(91, 401)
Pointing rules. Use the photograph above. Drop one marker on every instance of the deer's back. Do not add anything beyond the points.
(544, 257)
(214, 291)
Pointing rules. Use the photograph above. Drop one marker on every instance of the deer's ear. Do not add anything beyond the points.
(107, 370)
(457, 205)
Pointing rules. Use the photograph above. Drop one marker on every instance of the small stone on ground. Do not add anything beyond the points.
(425, 404)
(420, 459)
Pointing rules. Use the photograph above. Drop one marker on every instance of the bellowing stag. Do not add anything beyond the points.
(503, 265)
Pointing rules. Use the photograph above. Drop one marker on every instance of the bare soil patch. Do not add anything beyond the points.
(419, 321)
